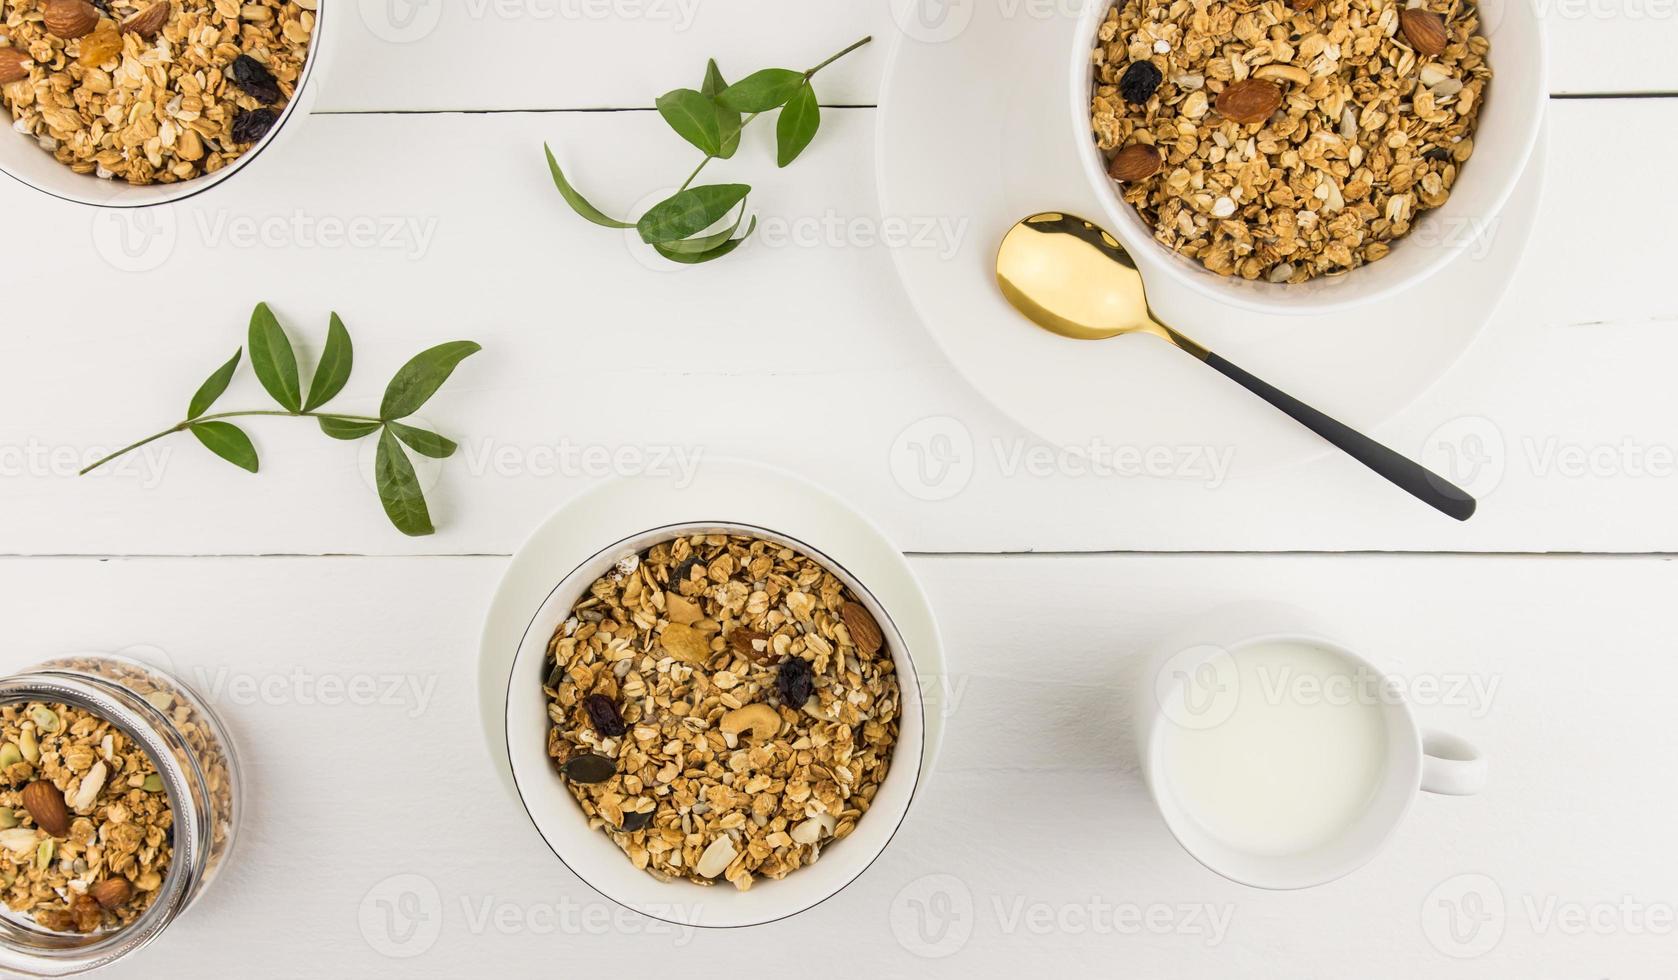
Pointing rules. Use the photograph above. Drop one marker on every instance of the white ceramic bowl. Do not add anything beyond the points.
(556, 815)
(1508, 130)
(22, 159)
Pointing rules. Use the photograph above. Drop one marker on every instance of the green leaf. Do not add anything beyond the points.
(800, 118)
(334, 367)
(690, 212)
(686, 258)
(728, 120)
(761, 91)
(213, 387)
(694, 118)
(699, 246)
(399, 488)
(227, 441)
(422, 441)
(578, 204)
(272, 359)
(347, 429)
(713, 84)
(420, 378)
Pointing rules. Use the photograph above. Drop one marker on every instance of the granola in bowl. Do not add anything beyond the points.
(1282, 142)
(87, 836)
(151, 91)
(721, 707)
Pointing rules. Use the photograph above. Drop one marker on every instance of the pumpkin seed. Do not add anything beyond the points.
(589, 768)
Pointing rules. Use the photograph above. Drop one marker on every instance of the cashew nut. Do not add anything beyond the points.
(763, 720)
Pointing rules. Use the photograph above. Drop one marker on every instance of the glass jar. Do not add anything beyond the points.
(194, 758)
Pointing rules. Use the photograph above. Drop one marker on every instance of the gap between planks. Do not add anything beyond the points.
(927, 555)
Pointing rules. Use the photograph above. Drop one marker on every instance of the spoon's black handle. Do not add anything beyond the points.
(1417, 480)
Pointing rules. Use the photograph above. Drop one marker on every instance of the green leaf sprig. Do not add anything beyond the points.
(275, 365)
(711, 118)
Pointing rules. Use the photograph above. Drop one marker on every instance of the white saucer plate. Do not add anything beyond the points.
(616, 519)
(973, 134)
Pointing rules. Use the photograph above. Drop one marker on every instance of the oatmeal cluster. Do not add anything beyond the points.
(1282, 141)
(86, 839)
(722, 706)
(150, 91)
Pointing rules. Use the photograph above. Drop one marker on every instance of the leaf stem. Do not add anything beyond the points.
(183, 426)
(702, 163)
(839, 55)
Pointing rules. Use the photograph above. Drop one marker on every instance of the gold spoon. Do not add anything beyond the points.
(1072, 278)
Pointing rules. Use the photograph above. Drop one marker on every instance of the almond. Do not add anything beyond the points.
(1425, 30)
(70, 19)
(1250, 101)
(148, 22)
(111, 892)
(865, 633)
(14, 65)
(46, 806)
(1138, 161)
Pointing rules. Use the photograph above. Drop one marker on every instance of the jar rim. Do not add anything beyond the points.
(59, 954)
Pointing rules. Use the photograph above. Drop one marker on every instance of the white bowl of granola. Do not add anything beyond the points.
(794, 837)
(135, 103)
(1310, 207)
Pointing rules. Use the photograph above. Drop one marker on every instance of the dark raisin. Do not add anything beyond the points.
(795, 682)
(636, 821)
(248, 127)
(1438, 154)
(683, 571)
(1139, 82)
(589, 768)
(254, 77)
(604, 716)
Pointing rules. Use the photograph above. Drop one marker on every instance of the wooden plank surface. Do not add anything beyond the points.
(800, 350)
(1032, 835)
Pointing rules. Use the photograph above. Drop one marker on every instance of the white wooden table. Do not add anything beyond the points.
(289, 598)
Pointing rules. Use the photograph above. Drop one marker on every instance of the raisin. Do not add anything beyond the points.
(683, 572)
(795, 682)
(254, 77)
(589, 768)
(604, 716)
(248, 127)
(1139, 82)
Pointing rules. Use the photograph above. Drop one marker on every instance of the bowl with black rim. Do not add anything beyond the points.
(599, 862)
(23, 159)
